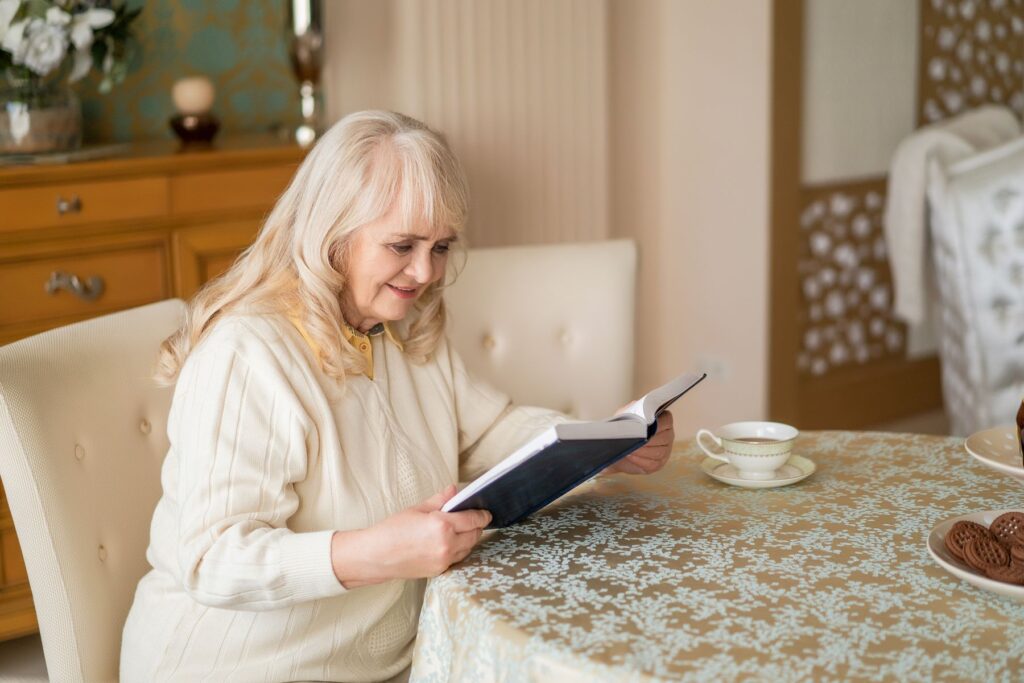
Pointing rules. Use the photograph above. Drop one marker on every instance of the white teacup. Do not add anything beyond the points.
(755, 449)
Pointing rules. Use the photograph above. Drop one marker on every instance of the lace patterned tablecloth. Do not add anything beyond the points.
(678, 577)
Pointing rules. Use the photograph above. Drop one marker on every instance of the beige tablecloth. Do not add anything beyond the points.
(678, 577)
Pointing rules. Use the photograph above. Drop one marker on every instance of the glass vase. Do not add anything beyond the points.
(39, 117)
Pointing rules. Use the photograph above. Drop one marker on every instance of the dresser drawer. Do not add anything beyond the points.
(250, 188)
(78, 203)
(126, 274)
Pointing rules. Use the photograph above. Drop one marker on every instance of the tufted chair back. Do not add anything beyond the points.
(977, 236)
(552, 325)
(82, 438)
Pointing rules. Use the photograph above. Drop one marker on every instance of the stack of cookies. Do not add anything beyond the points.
(997, 552)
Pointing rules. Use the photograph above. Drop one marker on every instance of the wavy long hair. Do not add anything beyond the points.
(367, 163)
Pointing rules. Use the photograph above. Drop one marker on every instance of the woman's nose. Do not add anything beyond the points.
(420, 267)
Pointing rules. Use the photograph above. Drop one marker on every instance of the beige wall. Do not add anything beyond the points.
(690, 142)
(585, 119)
(518, 86)
(860, 85)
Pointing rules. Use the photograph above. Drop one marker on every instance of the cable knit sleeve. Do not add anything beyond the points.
(490, 426)
(242, 441)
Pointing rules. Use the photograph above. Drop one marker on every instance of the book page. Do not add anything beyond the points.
(653, 403)
(631, 410)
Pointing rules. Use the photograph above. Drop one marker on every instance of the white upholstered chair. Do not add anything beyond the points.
(552, 325)
(977, 236)
(83, 428)
(82, 438)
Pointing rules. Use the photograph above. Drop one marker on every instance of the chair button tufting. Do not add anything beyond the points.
(79, 452)
(145, 427)
(565, 338)
(488, 342)
(102, 554)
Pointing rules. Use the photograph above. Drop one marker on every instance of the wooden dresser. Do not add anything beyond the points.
(83, 239)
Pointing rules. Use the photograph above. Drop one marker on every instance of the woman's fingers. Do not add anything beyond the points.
(469, 520)
(468, 540)
(660, 440)
(646, 460)
(463, 544)
(653, 454)
(654, 449)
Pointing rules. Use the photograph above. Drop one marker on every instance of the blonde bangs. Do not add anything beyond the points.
(419, 175)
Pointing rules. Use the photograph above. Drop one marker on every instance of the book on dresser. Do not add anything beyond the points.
(564, 456)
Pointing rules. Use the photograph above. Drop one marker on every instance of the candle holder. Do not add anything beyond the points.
(194, 123)
(304, 20)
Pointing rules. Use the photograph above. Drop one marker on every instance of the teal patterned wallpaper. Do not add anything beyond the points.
(238, 44)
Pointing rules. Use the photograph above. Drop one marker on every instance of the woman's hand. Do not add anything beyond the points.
(653, 455)
(418, 542)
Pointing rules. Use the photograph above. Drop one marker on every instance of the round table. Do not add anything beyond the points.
(676, 576)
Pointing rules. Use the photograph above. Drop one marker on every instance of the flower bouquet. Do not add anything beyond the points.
(45, 45)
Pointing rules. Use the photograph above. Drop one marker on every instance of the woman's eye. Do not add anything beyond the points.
(401, 249)
(441, 248)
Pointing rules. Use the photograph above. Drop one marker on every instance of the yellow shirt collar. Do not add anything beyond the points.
(359, 341)
(352, 335)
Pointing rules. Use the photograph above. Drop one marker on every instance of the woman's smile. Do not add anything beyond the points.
(404, 292)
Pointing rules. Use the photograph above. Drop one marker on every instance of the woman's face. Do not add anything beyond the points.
(389, 265)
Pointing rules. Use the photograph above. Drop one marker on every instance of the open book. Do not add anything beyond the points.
(564, 456)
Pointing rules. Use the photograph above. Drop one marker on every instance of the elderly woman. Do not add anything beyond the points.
(319, 422)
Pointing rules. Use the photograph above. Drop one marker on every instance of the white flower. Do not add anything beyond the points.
(46, 47)
(83, 62)
(83, 23)
(55, 16)
(14, 40)
(8, 8)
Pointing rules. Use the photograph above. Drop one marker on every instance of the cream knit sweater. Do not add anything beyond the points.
(267, 459)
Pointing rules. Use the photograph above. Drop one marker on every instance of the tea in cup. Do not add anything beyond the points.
(755, 449)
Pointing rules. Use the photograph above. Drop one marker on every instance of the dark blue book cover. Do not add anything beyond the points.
(563, 457)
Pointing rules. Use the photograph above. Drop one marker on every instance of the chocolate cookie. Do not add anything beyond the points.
(1012, 573)
(985, 553)
(1017, 554)
(960, 533)
(1018, 537)
(1005, 526)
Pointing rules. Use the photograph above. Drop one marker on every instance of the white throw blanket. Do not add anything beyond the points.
(905, 211)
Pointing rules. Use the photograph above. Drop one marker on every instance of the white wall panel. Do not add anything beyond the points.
(860, 85)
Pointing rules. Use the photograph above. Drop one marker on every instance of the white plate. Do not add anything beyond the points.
(937, 549)
(795, 469)
(998, 448)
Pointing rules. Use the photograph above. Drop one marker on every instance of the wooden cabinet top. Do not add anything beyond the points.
(160, 158)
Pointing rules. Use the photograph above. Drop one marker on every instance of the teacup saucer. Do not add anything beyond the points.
(795, 469)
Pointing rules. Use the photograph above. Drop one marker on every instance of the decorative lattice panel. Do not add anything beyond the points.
(845, 280)
(972, 52)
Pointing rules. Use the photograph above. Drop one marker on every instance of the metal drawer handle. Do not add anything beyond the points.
(66, 206)
(90, 290)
